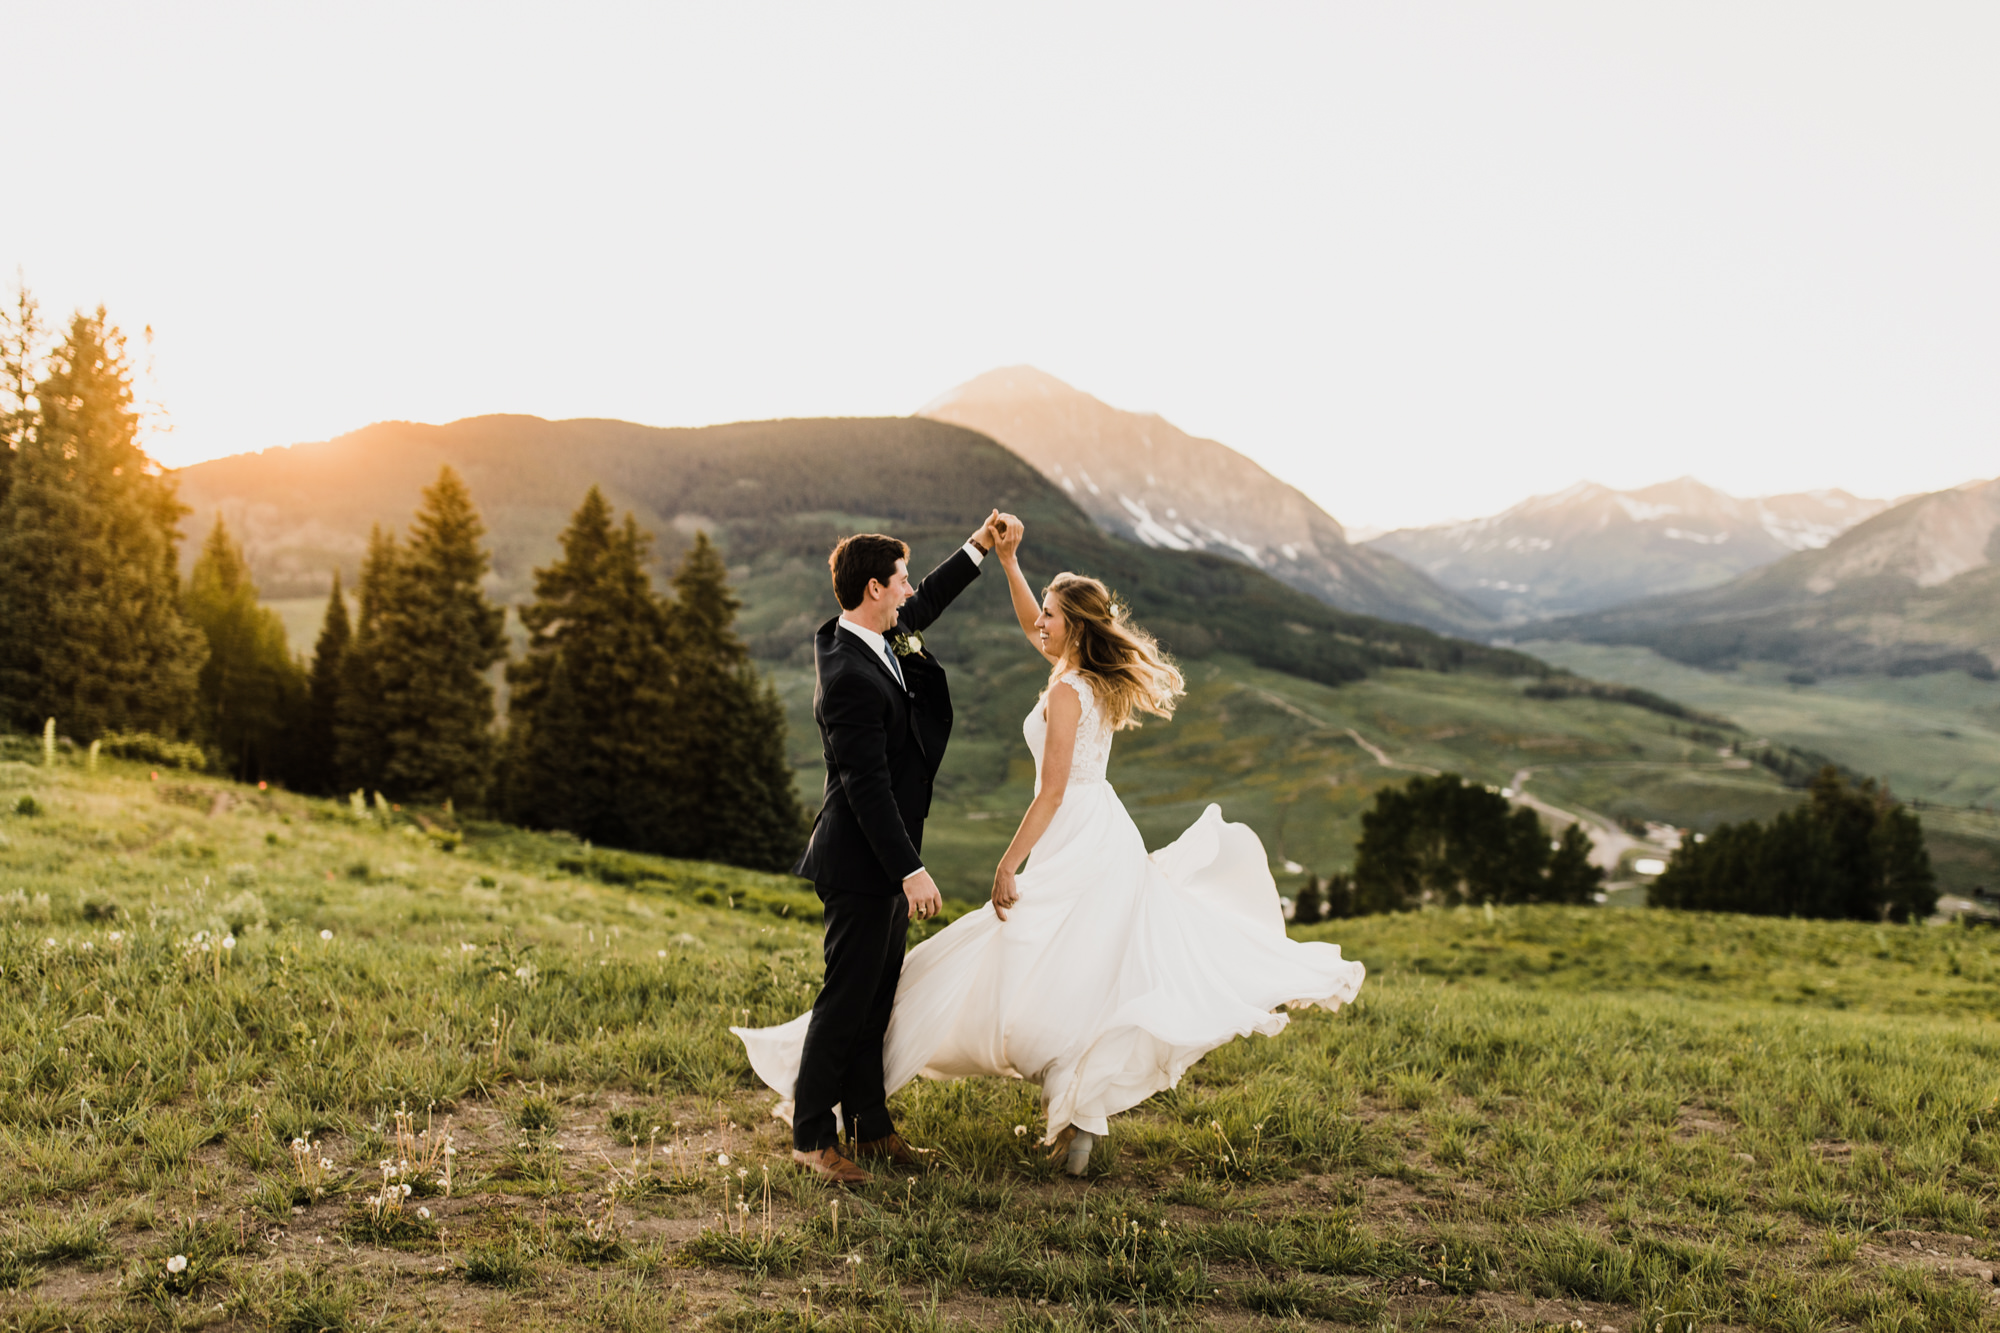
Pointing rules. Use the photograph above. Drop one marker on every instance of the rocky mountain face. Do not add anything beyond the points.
(1915, 588)
(1141, 477)
(1590, 547)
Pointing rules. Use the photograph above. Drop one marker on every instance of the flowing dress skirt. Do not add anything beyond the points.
(1114, 973)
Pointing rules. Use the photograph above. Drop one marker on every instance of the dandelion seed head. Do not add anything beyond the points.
(424, 1213)
(722, 1159)
(117, 935)
(326, 1164)
(177, 1264)
(85, 946)
(1020, 1130)
(325, 935)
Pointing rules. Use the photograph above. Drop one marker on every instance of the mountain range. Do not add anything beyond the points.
(776, 495)
(1590, 547)
(1916, 588)
(1140, 477)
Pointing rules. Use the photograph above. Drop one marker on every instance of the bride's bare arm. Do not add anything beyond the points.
(1058, 750)
(1026, 608)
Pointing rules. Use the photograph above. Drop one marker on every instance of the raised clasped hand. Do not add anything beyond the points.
(1005, 893)
(1010, 531)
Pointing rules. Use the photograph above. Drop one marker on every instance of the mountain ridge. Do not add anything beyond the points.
(1913, 588)
(1589, 547)
(1139, 476)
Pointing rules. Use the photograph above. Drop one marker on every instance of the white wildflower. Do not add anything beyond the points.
(1020, 1130)
(85, 946)
(117, 935)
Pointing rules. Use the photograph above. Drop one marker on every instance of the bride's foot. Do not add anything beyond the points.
(1078, 1157)
(1072, 1148)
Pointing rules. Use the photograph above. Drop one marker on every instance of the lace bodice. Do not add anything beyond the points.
(1093, 734)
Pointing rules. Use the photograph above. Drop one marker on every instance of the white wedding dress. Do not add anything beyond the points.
(1114, 972)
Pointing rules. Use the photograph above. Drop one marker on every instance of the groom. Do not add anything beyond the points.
(884, 715)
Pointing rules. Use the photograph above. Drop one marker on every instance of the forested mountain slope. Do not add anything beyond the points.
(775, 495)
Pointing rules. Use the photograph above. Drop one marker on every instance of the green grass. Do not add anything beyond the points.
(1276, 752)
(1531, 1116)
(1934, 737)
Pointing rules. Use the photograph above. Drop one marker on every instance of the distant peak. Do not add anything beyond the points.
(1003, 382)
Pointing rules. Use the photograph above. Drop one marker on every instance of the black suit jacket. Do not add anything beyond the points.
(883, 744)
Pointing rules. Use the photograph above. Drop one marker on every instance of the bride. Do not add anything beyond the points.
(1099, 972)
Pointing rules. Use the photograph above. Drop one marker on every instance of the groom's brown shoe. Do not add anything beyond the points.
(892, 1149)
(830, 1166)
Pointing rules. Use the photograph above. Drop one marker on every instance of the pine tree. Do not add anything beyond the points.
(437, 636)
(1308, 906)
(1445, 841)
(588, 710)
(250, 687)
(89, 588)
(1572, 878)
(20, 334)
(317, 770)
(732, 797)
(360, 719)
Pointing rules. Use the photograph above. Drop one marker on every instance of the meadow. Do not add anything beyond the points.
(235, 1024)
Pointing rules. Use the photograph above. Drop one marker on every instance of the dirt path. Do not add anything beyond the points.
(1608, 842)
(1381, 756)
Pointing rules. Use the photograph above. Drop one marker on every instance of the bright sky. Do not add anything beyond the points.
(1421, 259)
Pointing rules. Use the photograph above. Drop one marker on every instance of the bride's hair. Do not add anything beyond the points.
(1124, 663)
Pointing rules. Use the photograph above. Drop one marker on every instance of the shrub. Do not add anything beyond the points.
(145, 747)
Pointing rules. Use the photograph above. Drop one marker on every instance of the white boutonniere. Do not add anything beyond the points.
(905, 644)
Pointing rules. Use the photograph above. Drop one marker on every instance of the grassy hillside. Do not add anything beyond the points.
(1281, 755)
(1935, 738)
(1532, 1116)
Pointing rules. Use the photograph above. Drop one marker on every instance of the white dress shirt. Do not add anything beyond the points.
(880, 647)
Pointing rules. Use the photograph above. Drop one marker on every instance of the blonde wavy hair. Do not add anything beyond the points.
(1124, 663)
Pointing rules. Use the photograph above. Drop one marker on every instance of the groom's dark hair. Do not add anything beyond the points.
(864, 556)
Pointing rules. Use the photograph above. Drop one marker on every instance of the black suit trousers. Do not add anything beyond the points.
(842, 1060)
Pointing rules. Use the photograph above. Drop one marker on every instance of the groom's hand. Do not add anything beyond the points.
(925, 900)
(988, 535)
